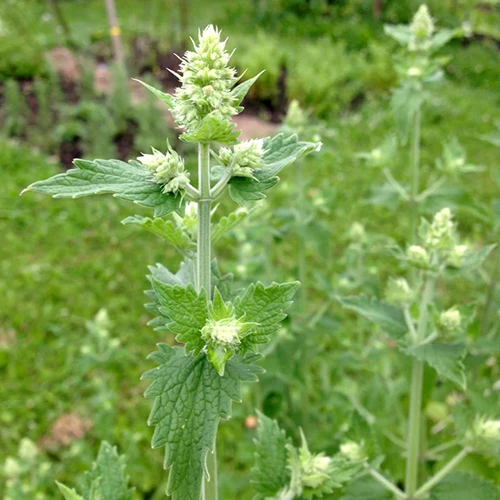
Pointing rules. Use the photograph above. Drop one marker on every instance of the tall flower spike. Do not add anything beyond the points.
(206, 82)
(422, 25)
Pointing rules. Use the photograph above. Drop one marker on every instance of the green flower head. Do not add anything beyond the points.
(206, 82)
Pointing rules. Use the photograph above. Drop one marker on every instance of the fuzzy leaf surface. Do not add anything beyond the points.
(464, 486)
(265, 306)
(107, 480)
(167, 230)
(129, 181)
(390, 319)
(226, 223)
(240, 91)
(168, 99)
(270, 472)
(187, 311)
(445, 358)
(366, 488)
(280, 151)
(190, 398)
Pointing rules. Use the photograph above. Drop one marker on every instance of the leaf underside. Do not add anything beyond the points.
(390, 319)
(189, 400)
(129, 181)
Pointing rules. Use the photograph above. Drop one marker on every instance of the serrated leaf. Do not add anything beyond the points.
(128, 181)
(464, 486)
(225, 224)
(167, 230)
(265, 306)
(187, 311)
(405, 102)
(366, 488)
(190, 399)
(390, 319)
(474, 259)
(240, 91)
(168, 99)
(68, 494)
(270, 472)
(105, 481)
(213, 128)
(445, 358)
(280, 151)
(399, 32)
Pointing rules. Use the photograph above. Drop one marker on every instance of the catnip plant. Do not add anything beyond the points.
(218, 330)
(417, 320)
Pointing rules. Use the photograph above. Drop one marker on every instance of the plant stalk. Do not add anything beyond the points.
(203, 279)
(441, 474)
(416, 389)
(415, 163)
(387, 484)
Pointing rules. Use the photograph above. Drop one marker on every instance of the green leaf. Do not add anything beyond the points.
(265, 306)
(366, 488)
(167, 230)
(225, 224)
(190, 399)
(405, 102)
(107, 480)
(475, 258)
(399, 32)
(187, 311)
(129, 181)
(464, 486)
(445, 358)
(213, 128)
(280, 151)
(67, 493)
(390, 319)
(270, 472)
(168, 99)
(240, 91)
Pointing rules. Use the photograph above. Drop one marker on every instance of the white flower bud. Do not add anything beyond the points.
(422, 25)
(206, 82)
(314, 469)
(484, 436)
(353, 451)
(357, 233)
(457, 254)
(27, 449)
(441, 232)
(223, 332)
(11, 468)
(399, 291)
(450, 320)
(418, 256)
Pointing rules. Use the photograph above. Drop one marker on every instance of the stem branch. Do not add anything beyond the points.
(441, 474)
(387, 484)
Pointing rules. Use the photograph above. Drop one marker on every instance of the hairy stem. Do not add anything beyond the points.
(416, 389)
(203, 279)
(441, 474)
(387, 484)
(415, 163)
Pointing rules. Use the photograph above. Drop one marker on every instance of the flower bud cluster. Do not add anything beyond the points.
(206, 82)
(450, 320)
(399, 291)
(245, 157)
(353, 451)
(484, 436)
(422, 28)
(167, 169)
(223, 333)
(439, 244)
